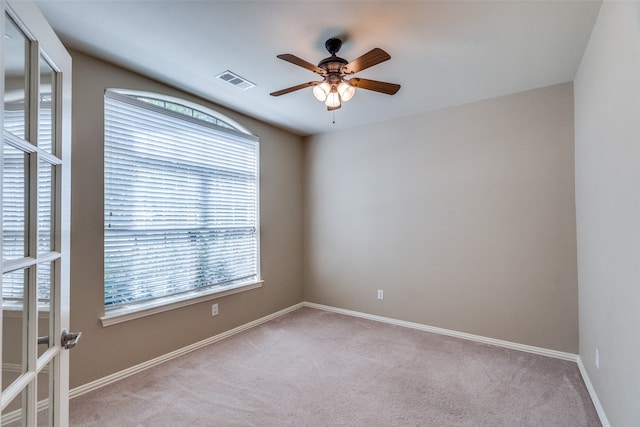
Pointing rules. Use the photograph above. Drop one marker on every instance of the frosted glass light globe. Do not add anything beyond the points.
(321, 91)
(346, 91)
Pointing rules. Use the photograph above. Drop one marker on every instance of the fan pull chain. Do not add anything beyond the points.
(334, 116)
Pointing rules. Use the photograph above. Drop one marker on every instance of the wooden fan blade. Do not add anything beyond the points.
(301, 63)
(293, 88)
(369, 59)
(382, 87)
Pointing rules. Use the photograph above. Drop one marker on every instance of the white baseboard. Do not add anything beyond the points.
(478, 338)
(101, 382)
(592, 393)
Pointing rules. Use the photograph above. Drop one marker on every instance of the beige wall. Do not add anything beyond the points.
(607, 123)
(465, 217)
(103, 351)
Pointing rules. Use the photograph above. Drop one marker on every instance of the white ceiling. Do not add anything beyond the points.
(443, 53)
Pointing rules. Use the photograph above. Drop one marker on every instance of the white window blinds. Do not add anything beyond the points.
(181, 203)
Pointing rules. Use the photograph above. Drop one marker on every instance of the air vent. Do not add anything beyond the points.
(236, 80)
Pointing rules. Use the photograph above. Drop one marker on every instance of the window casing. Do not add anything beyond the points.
(181, 203)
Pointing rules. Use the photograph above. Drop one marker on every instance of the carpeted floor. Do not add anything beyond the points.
(315, 368)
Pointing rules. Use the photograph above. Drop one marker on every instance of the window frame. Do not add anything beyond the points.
(145, 308)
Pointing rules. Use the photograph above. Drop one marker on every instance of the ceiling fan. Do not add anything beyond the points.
(334, 88)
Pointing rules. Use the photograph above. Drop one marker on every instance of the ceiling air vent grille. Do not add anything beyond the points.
(236, 80)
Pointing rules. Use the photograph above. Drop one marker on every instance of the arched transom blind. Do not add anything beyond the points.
(181, 203)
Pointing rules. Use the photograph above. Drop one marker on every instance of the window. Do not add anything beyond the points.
(181, 202)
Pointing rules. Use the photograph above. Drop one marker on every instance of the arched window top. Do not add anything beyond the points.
(183, 106)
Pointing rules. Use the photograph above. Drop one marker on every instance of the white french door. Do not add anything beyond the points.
(35, 117)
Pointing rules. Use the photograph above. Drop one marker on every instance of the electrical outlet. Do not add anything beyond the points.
(214, 310)
(597, 358)
(380, 294)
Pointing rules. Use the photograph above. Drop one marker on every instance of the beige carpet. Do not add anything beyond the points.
(314, 368)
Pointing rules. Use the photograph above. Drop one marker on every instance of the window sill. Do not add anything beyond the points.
(130, 313)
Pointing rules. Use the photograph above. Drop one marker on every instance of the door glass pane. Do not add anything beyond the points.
(15, 172)
(45, 291)
(14, 326)
(16, 99)
(47, 107)
(45, 206)
(45, 378)
(12, 414)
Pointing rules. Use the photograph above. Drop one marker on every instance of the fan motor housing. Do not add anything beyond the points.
(332, 64)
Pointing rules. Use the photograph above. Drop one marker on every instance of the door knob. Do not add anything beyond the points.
(70, 339)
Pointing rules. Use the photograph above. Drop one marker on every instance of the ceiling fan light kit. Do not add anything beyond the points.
(324, 92)
(334, 89)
